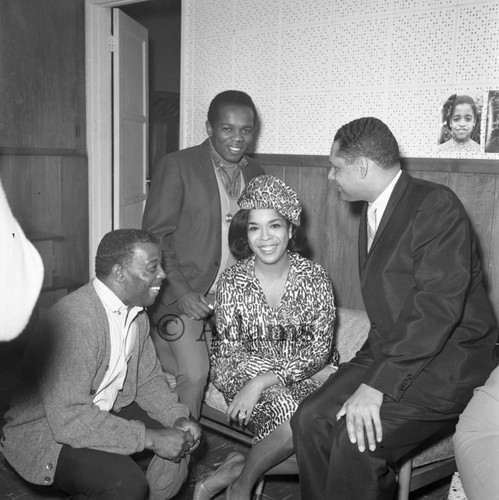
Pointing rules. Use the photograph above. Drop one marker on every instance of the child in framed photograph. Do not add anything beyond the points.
(460, 131)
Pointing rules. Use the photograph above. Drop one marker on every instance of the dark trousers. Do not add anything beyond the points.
(331, 466)
(85, 473)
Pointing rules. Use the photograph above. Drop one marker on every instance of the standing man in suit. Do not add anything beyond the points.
(192, 200)
(432, 332)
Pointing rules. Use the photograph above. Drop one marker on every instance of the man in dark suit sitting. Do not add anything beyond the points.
(432, 332)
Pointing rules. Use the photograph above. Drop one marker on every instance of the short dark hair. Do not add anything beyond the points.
(370, 138)
(118, 247)
(231, 97)
(238, 236)
(455, 100)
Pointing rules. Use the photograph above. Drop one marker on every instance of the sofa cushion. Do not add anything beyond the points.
(214, 398)
(351, 329)
(440, 450)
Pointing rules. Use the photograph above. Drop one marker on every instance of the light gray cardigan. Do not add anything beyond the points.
(63, 367)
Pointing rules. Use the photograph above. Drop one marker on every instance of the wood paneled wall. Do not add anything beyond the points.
(43, 162)
(49, 194)
(331, 225)
(41, 64)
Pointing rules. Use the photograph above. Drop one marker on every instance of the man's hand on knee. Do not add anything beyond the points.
(362, 413)
(193, 428)
(172, 444)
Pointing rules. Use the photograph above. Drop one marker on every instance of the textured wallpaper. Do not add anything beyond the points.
(311, 66)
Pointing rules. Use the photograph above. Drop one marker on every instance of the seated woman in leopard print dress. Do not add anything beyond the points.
(274, 321)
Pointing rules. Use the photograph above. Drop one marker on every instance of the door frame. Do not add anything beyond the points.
(98, 74)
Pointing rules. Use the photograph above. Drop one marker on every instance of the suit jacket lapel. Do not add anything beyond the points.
(206, 171)
(397, 192)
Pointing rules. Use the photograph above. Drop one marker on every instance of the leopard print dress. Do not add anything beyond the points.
(293, 340)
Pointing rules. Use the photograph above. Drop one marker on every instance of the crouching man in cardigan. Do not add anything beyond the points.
(92, 394)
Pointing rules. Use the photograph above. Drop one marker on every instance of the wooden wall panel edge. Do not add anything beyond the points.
(461, 165)
(40, 152)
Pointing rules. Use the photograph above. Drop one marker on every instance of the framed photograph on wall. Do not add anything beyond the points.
(492, 123)
(459, 131)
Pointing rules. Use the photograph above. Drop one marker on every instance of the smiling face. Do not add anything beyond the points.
(268, 235)
(462, 122)
(232, 132)
(345, 175)
(142, 276)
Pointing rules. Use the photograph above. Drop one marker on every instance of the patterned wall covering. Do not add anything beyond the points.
(313, 65)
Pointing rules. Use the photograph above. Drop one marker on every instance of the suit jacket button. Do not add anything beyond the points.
(49, 466)
(92, 392)
(217, 263)
(46, 479)
(373, 326)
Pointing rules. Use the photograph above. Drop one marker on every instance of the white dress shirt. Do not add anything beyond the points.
(123, 332)
(378, 207)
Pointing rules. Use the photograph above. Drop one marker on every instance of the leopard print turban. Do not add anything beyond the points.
(267, 191)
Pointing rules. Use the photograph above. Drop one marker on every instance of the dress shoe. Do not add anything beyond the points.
(219, 479)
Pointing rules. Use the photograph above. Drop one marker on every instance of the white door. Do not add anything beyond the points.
(130, 120)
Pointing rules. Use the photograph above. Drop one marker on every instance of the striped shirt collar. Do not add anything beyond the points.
(111, 301)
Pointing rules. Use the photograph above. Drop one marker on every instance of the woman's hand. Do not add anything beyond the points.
(241, 407)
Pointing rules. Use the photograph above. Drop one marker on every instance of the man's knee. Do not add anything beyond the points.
(342, 447)
(100, 475)
(131, 487)
(304, 418)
